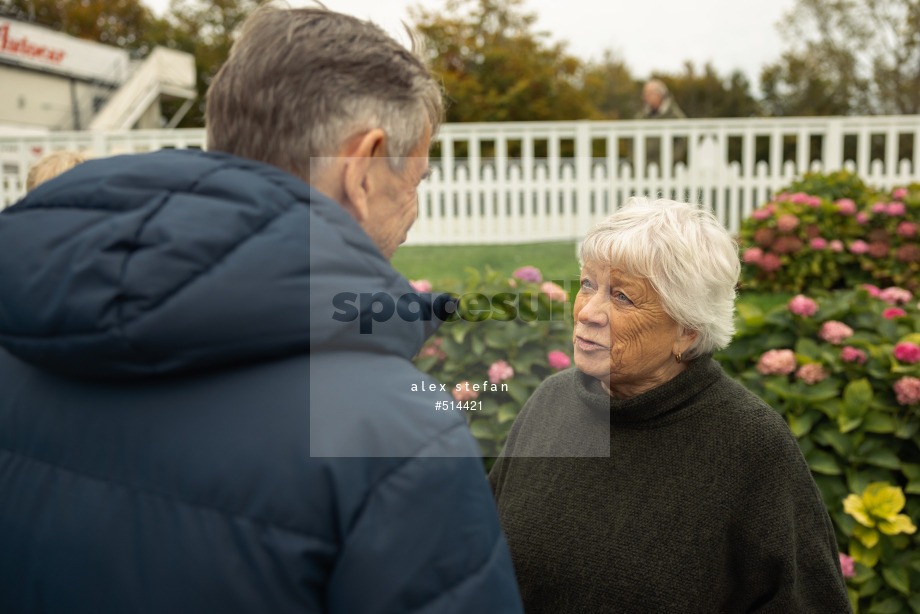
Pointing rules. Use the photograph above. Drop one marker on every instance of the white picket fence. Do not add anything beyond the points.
(549, 181)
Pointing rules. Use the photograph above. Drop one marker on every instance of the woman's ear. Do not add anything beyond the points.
(684, 341)
(357, 179)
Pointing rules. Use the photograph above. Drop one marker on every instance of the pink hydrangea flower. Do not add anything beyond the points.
(851, 354)
(813, 201)
(895, 209)
(529, 273)
(421, 285)
(818, 243)
(899, 193)
(862, 218)
(787, 222)
(893, 312)
(845, 206)
(907, 352)
(500, 371)
(433, 348)
(879, 208)
(554, 292)
(835, 332)
(872, 290)
(752, 255)
(803, 306)
(812, 373)
(776, 362)
(558, 360)
(769, 262)
(859, 247)
(847, 566)
(906, 230)
(907, 390)
(836, 245)
(895, 295)
(763, 213)
(464, 392)
(799, 197)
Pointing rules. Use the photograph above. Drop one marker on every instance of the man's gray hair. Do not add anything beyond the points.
(687, 256)
(300, 82)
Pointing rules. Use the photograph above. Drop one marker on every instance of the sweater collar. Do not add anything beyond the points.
(667, 398)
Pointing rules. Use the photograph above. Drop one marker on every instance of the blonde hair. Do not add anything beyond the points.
(51, 165)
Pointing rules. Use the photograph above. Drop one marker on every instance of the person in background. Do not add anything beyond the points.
(185, 426)
(51, 165)
(657, 102)
(645, 479)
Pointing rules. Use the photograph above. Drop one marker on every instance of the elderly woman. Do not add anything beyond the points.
(646, 479)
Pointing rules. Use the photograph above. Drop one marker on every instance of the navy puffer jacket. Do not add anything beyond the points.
(185, 427)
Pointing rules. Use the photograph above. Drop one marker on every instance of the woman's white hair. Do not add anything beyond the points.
(686, 255)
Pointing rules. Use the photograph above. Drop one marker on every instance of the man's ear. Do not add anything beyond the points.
(357, 178)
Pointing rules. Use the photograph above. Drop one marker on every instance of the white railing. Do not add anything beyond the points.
(549, 181)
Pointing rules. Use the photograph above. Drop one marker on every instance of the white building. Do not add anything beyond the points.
(51, 81)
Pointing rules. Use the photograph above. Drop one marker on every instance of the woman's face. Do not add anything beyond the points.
(623, 336)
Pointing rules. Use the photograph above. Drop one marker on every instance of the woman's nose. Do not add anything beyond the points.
(593, 311)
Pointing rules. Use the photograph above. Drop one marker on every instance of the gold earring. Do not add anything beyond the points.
(679, 357)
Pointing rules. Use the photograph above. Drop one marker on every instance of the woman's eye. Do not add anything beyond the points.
(585, 284)
(621, 297)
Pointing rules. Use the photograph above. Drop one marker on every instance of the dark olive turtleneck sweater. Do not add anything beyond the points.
(692, 497)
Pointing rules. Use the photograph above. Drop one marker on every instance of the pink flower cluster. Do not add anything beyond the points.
(895, 209)
(893, 312)
(433, 348)
(899, 193)
(800, 198)
(895, 295)
(907, 389)
(529, 273)
(859, 247)
(907, 352)
(862, 218)
(421, 285)
(818, 243)
(835, 332)
(851, 354)
(500, 371)
(558, 360)
(847, 566)
(763, 213)
(906, 230)
(803, 306)
(464, 392)
(554, 292)
(787, 222)
(845, 206)
(777, 362)
(812, 373)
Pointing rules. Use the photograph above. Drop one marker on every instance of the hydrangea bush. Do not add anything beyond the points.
(512, 332)
(832, 231)
(843, 368)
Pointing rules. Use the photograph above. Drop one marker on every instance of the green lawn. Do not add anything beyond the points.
(557, 261)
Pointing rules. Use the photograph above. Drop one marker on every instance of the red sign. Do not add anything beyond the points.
(22, 47)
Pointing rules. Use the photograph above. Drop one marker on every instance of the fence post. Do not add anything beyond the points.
(583, 177)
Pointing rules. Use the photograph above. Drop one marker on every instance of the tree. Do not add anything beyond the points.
(495, 68)
(848, 56)
(610, 87)
(709, 94)
(207, 30)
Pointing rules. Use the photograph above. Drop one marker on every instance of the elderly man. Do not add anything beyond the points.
(184, 425)
(657, 102)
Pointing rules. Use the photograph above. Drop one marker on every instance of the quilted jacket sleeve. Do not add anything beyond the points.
(427, 540)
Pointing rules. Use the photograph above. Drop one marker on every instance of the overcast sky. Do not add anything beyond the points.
(647, 34)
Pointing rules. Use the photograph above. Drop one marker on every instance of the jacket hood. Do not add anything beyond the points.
(182, 260)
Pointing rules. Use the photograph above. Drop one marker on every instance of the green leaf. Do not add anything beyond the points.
(892, 605)
(820, 461)
(856, 398)
(477, 345)
(751, 315)
(807, 347)
(482, 429)
(897, 578)
(871, 587)
(848, 424)
(801, 425)
(829, 436)
(878, 422)
(507, 412)
(518, 391)
(914, 602)
(883, 458)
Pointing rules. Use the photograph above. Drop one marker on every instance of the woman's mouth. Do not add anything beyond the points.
(587, 345)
